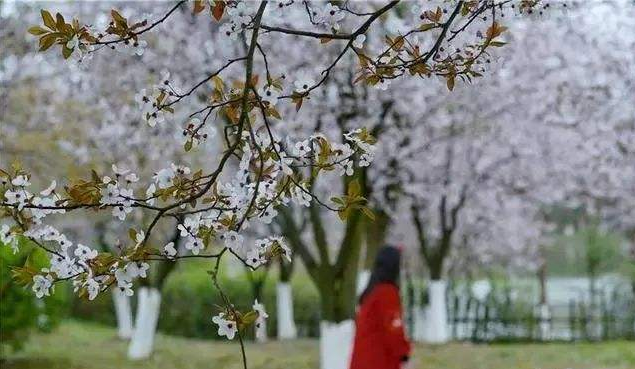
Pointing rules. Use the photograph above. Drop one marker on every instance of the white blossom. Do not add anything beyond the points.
(268, 215)
(49, 189)
(330, 15)
(8, 238)
(269, 94)
(303, 84)
(300, 196)
(232, 240)
(92, 287)
(126, 289)
(262, 314)
(42, 285)
(302, 148)
(85, 253)
(226, 327)
(21, 181)
(169, 250)
(110, 194)
(195, 245)
(359, 41)
(18, 197)
(254, 258)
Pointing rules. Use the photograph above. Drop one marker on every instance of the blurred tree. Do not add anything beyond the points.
(20, 311)
(600, 251)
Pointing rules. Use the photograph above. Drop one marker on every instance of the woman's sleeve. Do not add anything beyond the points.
(390, 312)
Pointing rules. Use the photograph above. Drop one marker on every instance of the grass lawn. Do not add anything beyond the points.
(77, 345)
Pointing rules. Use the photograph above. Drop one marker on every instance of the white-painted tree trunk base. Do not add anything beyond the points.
(149, 303)
(261, 331)
(286, 323)
(544, 314)
(419, 329)
(336, 344)
(362, 281)
(437, 328)
(123, 312)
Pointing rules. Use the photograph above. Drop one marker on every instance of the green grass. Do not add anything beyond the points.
(77, 345)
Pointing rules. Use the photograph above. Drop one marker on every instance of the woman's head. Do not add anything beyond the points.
(385, 269)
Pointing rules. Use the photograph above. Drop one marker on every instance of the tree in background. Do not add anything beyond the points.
(600, 251)
(559, 132)
(95, 135)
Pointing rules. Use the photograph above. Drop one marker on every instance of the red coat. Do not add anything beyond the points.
(380, 341)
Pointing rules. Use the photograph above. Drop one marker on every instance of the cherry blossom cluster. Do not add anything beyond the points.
(229, 322)
(265, 178)
(154, 103)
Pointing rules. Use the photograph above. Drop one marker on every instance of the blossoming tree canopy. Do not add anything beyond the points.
(242, 98)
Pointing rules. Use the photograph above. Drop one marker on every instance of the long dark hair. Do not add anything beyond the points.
(385, 270)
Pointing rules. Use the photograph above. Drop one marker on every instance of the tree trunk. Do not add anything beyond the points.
(418, 316)
(336, 341)
(149, 308)
(338, 302)
(149, 303)
(592, 292)
(362, 281)
(123, 312)
(336, 327)
(544, 313)
(544, 316)
(437, 313)
(375, 237)
(121, 302)
(285, 320)
(261, 330)
(542, 278)
(284, 302)
(336, 283)
(375, 232)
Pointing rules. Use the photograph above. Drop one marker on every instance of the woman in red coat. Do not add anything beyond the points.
(380, 341)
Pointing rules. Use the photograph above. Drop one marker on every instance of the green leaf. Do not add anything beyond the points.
(218, 84)
(23, 275)
(47, 41)
(188, 146)
(249, 318)
(369, 213)
(117, 17)
(298, 103)
(450, 82)
(48, 19)
(273, 112)
(337, 200)
(60, 23)
(342, 214)
(37, 30)
(95, 176)
(353, 188)
(497, 43)
(66, 52)
(132, 233)
(426, 27)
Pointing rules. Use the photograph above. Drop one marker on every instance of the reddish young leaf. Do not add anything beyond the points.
(218, 10)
